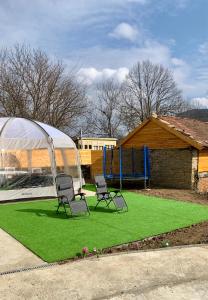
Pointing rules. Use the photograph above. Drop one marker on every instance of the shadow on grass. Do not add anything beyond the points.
(101, 209)
(51, 214)
(61, 214)
(45, 213)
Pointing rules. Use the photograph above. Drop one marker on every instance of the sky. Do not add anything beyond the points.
(103, 39)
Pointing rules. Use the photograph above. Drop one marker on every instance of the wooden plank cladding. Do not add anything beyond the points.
(93, 158)
(203, 161)
(155, 137)
(85, 157)
(97, 162)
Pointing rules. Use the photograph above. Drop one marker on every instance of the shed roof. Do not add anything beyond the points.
(192, 131)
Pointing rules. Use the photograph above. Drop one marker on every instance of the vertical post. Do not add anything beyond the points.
(145, 166)
(120, 167)
(148, 166)
(104, 161)
(132, 161)
(81, 138)
(111, 165)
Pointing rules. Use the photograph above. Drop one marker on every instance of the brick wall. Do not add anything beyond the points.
(174, 168)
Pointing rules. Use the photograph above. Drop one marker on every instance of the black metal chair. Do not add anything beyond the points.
(66, 196)
(103, 194)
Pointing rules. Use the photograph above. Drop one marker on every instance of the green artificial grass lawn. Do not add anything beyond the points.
(56, 237)
(89, 187)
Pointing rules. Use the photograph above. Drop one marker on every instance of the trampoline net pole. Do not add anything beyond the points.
(120, 166)
(148, 166)
(104, 160)
(145, 166)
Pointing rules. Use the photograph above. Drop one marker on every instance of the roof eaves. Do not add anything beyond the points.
(188, 137)
(132, 133)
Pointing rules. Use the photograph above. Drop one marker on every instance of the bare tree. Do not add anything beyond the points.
(106, 117)
(149, 88)
(33, 86)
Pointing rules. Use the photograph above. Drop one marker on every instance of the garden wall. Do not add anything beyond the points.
(173, 168)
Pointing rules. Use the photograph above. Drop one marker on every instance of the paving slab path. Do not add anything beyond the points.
(88, 193)
(13, 255)
(178, 273)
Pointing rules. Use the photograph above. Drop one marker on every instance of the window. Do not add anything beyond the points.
(95, 147)
(101, 147)
(86, 146)
(109, 146)
(90, 146)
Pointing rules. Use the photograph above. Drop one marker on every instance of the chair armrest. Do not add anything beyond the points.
(80, 194)
(115, 191)
(103, 193)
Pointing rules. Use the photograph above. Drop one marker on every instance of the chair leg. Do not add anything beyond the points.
(109, 203)
(64, 208)
(87, 207)
(58, 208)
(59, 205)
(97, 204)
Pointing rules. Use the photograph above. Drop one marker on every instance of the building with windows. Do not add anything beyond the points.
(91, 154)
(178, 151)
(95, 143)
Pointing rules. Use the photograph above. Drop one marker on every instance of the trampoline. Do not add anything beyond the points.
(127, 164)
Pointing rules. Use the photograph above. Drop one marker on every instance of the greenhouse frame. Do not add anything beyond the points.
(31, 155)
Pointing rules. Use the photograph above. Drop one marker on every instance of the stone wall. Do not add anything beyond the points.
(174, 168)
(202, 184)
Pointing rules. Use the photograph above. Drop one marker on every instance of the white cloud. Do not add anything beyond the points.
(125, 31)
(58, 27)
(45, 23)
(181, 72)
(101, 62)
(113, 58)
(203, 48)
(201, 100)
(177, 62)
(92, 75)
(98, 58)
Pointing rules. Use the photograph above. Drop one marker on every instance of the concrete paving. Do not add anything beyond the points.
(180, 273)
(13, 255)
(88, 193)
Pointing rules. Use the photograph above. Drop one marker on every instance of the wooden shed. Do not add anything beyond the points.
(178, 150)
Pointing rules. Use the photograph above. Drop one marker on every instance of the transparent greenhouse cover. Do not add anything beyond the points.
(31, 155)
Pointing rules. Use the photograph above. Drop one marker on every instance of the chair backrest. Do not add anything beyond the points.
(65, 188)
(100, 183)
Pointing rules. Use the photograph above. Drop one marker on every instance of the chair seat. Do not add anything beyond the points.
(66, 196)
(103, 194)
(78, 206)
(119, 202)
